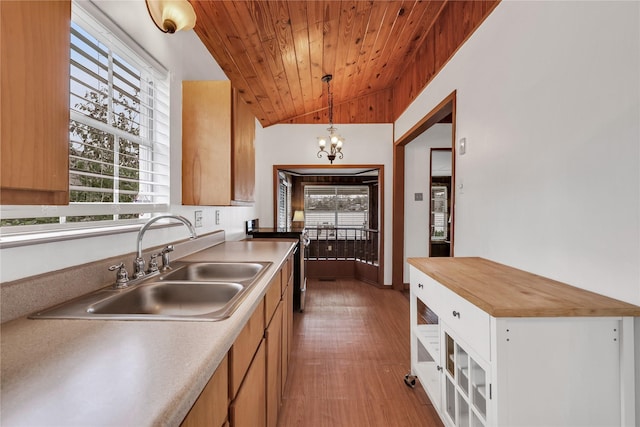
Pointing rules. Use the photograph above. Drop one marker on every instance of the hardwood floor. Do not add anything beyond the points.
(350, 354)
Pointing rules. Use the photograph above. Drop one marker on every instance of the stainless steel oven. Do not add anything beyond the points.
(253, 230)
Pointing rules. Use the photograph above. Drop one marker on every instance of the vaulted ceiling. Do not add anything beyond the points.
(276, 52)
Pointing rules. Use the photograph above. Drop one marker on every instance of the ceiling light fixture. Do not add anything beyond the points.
(335, 140)
(171, 15)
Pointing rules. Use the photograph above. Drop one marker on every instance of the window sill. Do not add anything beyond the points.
(12, 240)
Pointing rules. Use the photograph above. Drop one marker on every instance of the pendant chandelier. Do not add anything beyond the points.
(335, 140)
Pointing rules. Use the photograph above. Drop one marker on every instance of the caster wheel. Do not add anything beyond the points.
(410, 380)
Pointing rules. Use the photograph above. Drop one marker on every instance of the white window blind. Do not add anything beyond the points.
(119, 129)
(336, 206)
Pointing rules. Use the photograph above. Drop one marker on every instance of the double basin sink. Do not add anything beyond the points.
(197, 291)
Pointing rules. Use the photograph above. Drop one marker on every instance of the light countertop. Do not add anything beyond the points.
(122, 373)
(503, 291)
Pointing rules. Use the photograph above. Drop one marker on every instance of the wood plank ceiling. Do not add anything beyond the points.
(276, 52)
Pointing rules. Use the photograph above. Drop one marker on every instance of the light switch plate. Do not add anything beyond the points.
(463, 146)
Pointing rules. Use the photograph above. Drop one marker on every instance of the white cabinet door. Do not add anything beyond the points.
(466, 384)
(425, 340)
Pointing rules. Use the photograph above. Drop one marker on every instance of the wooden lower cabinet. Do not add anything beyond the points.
(273, 339)
(249, 408)
(243, 349)
(287, 332)
(211, 408)
(249, 383)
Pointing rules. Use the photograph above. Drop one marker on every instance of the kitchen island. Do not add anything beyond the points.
(124, 373)
(496, 346)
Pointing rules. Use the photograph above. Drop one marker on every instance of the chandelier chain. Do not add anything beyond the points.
(330, 102)
(335, 141)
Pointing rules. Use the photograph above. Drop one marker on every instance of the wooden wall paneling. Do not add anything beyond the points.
(284, 37)
(372, 78)
(276, 52)
(355, 89)
(456, 23)
(258, 33)
(443, 35)
(34, 120)
(350, 31)
(330, 269)
(378, 109)
(302, 46)
(238, 51)
(331, 16)
(230, 56)
(316, 38)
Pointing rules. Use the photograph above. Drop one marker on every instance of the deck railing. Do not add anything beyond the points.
(343, 243)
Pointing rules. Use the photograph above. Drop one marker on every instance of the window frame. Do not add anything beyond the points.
(329, 230)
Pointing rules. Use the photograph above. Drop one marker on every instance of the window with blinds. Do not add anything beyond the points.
(327, 206)
(118, 131)
(284, 202)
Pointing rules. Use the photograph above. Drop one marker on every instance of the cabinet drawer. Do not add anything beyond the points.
(244, 348)
(428, 291)
(272, 298)
(469, 323)
(249, 407)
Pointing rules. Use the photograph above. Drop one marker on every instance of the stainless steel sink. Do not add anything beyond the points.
(230, 271)
(203, 291)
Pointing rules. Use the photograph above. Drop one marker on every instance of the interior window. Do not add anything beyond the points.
(329, 208)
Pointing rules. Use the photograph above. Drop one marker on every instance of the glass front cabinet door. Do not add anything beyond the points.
(465, 386)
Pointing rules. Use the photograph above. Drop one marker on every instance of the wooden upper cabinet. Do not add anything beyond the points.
(34, 112)
(244, 159)
(218, 134)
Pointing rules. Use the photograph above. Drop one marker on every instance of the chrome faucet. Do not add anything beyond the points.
(139, 263)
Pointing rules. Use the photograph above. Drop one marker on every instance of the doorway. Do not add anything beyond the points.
(443, 112)
(338, 247)
(440, 191)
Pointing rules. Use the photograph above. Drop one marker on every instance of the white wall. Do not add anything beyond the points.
(184, 55)
(296, 145)
(548, 100)
(417, 170)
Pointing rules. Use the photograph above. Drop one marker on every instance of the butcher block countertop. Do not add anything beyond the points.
(503, 291)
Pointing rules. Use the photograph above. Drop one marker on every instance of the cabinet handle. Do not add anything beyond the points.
(420, 285)
(456, 314)
(439, 368)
